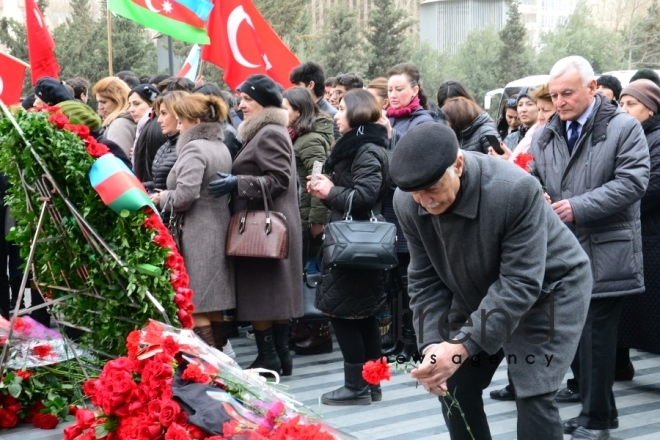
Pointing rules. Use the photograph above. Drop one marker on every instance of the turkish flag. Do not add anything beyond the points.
(244, 44)
(11, 79)
(40, 44)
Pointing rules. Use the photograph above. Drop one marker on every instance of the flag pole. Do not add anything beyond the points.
(170, 55)
(201, 68)
(109, 20)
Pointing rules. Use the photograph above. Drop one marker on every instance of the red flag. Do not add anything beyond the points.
(40, 44)
(243, 44)
(11, 79)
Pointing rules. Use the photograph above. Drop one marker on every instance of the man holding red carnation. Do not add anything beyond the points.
(493, 273)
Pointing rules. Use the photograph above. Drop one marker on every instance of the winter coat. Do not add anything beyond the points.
(402, 125)
(325, 107)
(201, 154)
(308, 148)
(498, 258)
(639, 320)
(473, 137)
(268, 289)
(122, 132)
(232, 143)
(355, 293)
(163, 163)
(603, 180)
(512, 140)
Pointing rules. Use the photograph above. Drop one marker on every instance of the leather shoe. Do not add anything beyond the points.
(570, 425)
(625, 374)
(567, 396)
(582, 433)
(503, 394)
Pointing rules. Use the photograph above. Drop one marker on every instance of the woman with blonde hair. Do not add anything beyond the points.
(201, 153)
(118, 126)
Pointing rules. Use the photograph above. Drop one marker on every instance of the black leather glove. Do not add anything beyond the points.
(223, 186)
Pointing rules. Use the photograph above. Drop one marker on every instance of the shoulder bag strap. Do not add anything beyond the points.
(349, 207)
(266, 199)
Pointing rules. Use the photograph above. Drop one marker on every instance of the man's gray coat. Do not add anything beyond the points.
(603, 180)
(500, 252)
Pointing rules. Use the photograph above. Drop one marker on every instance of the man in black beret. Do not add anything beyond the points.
(50, 91)
(493, 274)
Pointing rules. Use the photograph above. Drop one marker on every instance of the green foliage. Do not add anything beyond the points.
(115, 301)
(581, 36)
(476, 63)
(516, 56)
(433, 65)
(132, 49)
(644, 39)
(340, 47)
(387, 32)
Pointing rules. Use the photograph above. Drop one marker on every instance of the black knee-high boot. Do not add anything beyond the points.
(267, 357)
(281, 334)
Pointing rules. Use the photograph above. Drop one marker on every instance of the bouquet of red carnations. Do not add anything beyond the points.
(173, 386)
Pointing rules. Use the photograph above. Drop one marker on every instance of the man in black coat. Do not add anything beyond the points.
(493, 273)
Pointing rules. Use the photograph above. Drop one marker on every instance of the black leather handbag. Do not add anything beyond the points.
(359, 244)
(310, 281)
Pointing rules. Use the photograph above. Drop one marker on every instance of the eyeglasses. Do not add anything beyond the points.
(511, 102)
(337, 92)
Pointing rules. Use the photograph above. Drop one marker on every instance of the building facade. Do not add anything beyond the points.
(446, 23)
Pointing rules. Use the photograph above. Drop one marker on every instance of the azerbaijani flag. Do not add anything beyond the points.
(117, 185)
(191, 66)
(184, 19)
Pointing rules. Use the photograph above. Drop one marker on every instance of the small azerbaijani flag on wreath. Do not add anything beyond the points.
(118, 186)
(184, 20)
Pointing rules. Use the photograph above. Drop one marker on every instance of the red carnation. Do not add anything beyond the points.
(42, 351)
(153, 221)
(193, 373)
(96, 149)
(82, 131)
(523, 160)
(24, 374)
(170, 346)
(133, 343)
(376, 371)
(21, 325)
(59, 120)
(185, 319)
(179, 279)
(45, 421)
(164, 240)
(85, 418)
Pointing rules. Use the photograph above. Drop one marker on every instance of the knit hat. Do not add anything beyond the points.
(612, 83)
(645, 92)
(52, 91)
(525, 92)
(80, 113)
(649, 74)
(422, 156)
(147, 92)
(263, 90)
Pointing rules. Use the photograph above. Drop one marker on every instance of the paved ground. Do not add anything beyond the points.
(407, 412)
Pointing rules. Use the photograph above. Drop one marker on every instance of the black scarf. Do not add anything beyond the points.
(651, 124)
(350, 142)
(522, 131)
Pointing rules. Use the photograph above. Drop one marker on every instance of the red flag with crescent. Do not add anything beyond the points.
(40, 44)
(244, 44)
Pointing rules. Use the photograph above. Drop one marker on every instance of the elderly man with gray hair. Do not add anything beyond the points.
(593, 160)
(494, 274)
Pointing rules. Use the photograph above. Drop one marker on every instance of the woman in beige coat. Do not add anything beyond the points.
(118, 126)
(201, 153)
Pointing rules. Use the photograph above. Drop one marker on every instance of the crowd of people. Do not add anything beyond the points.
(481, 243)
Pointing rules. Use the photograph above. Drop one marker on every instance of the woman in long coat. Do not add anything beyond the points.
(268, 291)
(201, 153)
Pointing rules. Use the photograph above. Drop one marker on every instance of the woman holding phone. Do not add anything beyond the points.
(471, 123)
(358, 167)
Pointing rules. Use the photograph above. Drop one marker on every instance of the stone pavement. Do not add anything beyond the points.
(407, 412)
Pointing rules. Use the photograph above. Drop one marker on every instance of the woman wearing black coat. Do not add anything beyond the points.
(166, 155)
(358, 163)
(638, 327)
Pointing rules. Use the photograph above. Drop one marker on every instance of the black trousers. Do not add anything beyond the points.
(538, 416)
(594, 364)
(358, 339)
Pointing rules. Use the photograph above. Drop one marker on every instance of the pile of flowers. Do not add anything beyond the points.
(135, 395)
(115, 300)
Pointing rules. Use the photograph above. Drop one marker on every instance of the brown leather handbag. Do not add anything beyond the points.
(259, 234)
